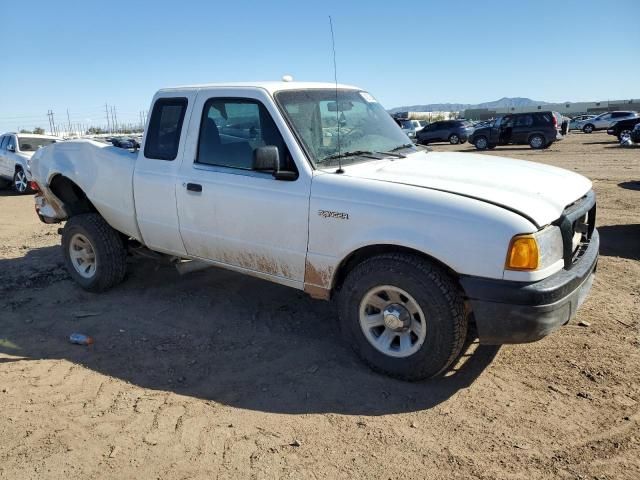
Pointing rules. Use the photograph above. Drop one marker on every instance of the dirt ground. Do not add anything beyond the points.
(216, 375)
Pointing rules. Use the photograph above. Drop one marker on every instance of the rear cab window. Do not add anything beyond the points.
(165, 127)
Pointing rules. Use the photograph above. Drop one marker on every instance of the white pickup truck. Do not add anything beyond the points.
(314, 186)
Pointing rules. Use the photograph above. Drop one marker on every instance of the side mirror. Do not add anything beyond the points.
(267, 159)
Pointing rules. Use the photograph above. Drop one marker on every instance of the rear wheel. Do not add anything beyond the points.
(588, 128)
(624, 133)
(20, 183)
(94, 253)
(537, 141)
(403, 316)
(454, 139)
(482, 143)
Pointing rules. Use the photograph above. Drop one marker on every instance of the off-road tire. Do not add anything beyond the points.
(439, 298)
(110, 252)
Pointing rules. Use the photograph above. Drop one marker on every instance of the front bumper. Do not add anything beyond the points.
(517, 312)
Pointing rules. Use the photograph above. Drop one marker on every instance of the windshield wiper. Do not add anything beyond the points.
(406, 145)
(355, 153)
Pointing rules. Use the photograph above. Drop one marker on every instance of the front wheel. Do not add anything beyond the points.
(20, 182)
(94, 253)
(588, 128)
(403, 316)
(454, 139)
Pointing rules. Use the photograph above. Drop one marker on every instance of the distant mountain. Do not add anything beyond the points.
(505, 102)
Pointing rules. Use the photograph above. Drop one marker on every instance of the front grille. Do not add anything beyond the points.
(577, 223)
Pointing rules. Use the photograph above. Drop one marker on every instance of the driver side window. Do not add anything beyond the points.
(232, 128)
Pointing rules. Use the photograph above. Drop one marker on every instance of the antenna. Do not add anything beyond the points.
(335, 77)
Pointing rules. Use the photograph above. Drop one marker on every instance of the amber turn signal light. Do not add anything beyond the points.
(523, 253)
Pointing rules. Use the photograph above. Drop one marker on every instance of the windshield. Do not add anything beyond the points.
(357, 119)
(31, 144)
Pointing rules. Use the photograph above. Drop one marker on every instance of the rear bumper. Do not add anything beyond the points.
(516, 312)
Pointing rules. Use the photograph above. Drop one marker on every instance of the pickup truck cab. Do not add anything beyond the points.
(281, 181)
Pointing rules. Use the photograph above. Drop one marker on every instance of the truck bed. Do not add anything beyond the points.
(103, 172)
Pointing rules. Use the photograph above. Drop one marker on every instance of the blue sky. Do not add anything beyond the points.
(79, 55)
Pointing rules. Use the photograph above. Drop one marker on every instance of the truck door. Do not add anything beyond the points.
(156, 171)
(229, 213)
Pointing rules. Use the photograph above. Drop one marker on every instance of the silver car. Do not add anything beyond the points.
(604, 121)
(411, 127)
(577, 123)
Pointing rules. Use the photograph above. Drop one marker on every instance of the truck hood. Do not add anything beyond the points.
(536, 191)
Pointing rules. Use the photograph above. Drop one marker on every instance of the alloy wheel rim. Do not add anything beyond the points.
(83, 256)
(392, 321)
(536, 142)
(20, 181)
(481, 143)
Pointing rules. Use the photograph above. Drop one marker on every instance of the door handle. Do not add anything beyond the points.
(194, 187)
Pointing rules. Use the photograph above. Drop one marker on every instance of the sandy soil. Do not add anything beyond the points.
(218, 375)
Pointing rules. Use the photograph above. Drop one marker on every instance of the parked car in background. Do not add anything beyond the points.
(16, 150)
(122, 142)
(623, 127)
(605, 120)
(635, 134)
(537, 129)
(575, 122)
(452, 131)
(410, 127)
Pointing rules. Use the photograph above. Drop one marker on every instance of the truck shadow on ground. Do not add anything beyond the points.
(215, 335)
(620, 241)
(630, 185)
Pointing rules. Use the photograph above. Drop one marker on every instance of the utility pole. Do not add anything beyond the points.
(68, 123)
(52, 123)
(106, 110)
(49, 118)
(114, 127)
(115, 116)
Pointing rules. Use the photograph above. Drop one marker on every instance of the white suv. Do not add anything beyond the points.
(604, 121)
(16, 150)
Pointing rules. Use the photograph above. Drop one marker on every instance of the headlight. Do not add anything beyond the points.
(535, 251)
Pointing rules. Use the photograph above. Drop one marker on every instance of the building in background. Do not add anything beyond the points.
(568, 109)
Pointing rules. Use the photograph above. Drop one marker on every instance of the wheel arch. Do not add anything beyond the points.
(70, 196)
(368, 251)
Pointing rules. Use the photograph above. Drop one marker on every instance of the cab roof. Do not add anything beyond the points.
(270, 87)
